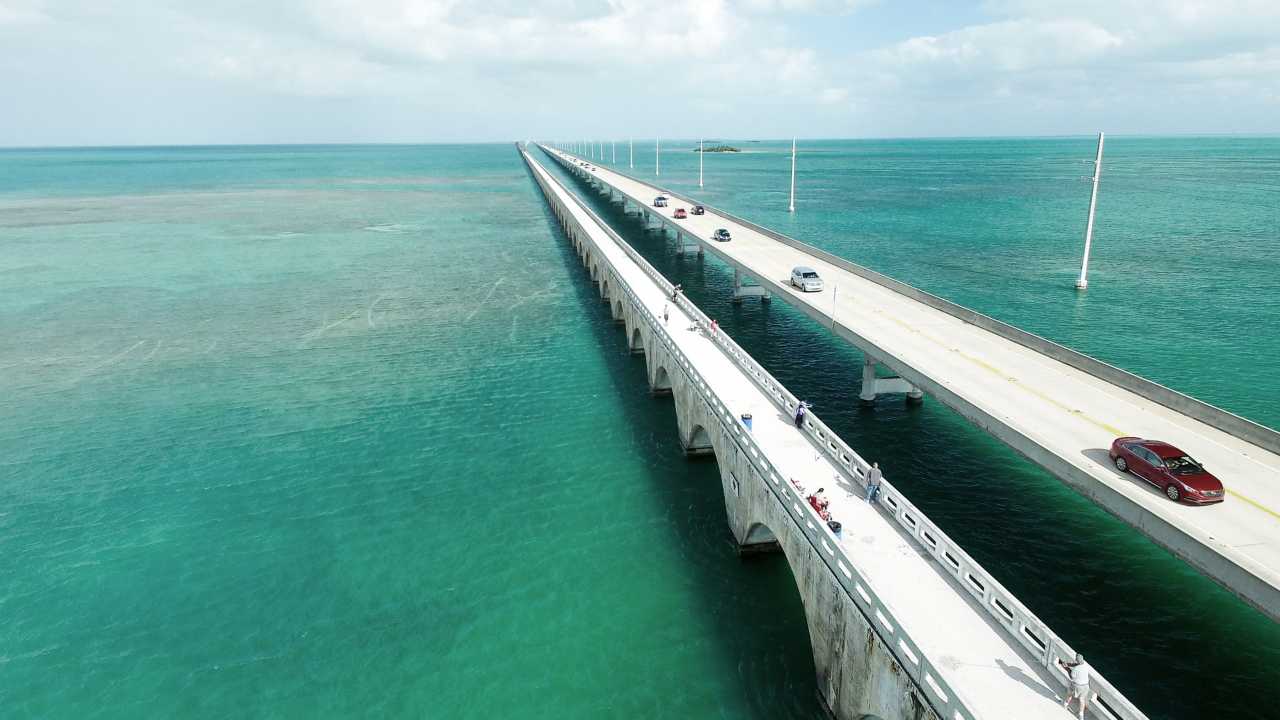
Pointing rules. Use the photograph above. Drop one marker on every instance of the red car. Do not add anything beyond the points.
(681, 214)
(1168, 468)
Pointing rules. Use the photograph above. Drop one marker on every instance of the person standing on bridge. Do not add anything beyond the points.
(665, 314)
(800, 413)
(1079, 685)
(873, 482)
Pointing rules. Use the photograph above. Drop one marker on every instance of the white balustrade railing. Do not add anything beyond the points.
(1019, 623)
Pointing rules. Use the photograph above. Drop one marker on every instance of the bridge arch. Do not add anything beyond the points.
(762, 545)
(698, 441)
(637, 341)
(661, 383)
(759, 535)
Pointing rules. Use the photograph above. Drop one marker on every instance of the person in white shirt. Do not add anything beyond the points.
(1079, 684)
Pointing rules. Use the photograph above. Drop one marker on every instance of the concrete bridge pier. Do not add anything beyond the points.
(659, 381)
(686, 244)
(635, 341)
(742, 290)
(873, 386)
(858, 673)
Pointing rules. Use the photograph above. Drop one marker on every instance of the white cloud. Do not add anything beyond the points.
(808, 6)
(18, 12)
(1011, 46)
(750, 67)
(833, 95)
(1072, 66)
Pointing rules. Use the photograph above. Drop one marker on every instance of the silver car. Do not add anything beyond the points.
(806, 279)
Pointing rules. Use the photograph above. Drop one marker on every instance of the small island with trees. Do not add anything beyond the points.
(718, 148)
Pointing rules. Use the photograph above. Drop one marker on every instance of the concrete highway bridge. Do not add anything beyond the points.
(902, 622)
(1058, 407)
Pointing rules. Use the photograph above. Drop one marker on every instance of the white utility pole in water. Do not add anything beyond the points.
(657, 160)
(1083, 282)
(700, 152)
(631, 148)
(613, 144)
(792, 207)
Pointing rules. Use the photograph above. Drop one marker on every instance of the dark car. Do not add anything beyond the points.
(680, 214)
(699, 210)
(721, 235)
(1168, 468)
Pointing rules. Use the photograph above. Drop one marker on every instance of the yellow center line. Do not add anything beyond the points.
(1073, 411)
(1254, 503)
(1003, 375)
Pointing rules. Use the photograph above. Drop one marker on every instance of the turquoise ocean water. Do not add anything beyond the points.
(342, 432)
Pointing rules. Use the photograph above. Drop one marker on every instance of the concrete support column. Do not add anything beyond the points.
(868, 394)
(873, 386)
(741, 291)
(686, 244)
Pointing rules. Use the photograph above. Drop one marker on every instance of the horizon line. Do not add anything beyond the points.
(139, 146)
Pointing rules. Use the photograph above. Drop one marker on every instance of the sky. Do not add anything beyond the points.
(288, 71)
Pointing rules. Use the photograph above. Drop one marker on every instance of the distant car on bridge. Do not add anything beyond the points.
(699, 210)
(660, 201)
(680, 214)
(721, 235)
(1168, 468)
(806, 279)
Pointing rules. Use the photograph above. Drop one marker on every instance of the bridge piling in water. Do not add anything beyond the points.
(877, 622)
(686, 244)
(874, 386)
(743, 290)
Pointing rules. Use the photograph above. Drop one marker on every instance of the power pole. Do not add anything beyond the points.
(1083, 282)
(701, 151)
(792, 207)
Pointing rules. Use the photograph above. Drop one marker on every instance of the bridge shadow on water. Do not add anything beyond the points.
(749, 605)
(1127, 604)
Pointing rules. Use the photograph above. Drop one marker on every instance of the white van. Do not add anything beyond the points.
(806, 279)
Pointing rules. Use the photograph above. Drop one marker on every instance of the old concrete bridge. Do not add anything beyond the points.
(1057, 407)
(902, 622)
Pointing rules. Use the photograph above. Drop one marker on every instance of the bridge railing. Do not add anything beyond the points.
(1211, 415)
(1009, 613)
(945, 700)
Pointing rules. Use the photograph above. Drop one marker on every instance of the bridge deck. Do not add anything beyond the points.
(996, 679)
(1067, 412)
